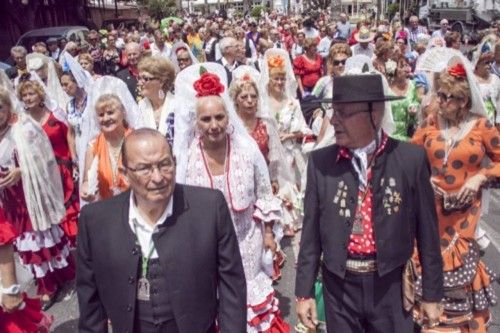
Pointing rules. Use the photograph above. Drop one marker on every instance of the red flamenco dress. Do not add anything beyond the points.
(57, 132)
(28, 318)
(45, 253)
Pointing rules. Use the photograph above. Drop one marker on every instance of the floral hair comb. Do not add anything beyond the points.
(208, 84)
(457, 71)
(276, 62)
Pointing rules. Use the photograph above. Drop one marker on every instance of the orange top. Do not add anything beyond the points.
(111, 182)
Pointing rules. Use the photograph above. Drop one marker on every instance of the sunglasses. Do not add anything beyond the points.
(339, 62)
(183, 59)
(446, 97)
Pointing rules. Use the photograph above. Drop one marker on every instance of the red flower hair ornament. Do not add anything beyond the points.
(208, 84)
(457, 71)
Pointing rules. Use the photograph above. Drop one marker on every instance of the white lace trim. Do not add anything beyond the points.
(34, 241)
(50, 266)
(268, 209)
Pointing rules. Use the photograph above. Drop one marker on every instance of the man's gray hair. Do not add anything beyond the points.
(225, 43)
(18, 49)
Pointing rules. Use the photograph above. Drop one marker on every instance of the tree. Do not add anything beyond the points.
(317, 4)
(159, 9)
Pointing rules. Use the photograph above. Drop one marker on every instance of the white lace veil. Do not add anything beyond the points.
(291, 81)
(185, 118)
(278, 169)
(487, 45)
(41, 179)
(438, 59)
(101, 86)
(35, 61)
(173, 55)
(82, 77)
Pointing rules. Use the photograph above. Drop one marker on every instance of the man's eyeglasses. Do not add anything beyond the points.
(146, 78)
(183, 59)
(339, 62)
(346, 115)
(487, 62)
(146, 170)
(446, 97)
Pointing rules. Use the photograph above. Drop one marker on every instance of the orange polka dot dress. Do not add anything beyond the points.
(467, 281)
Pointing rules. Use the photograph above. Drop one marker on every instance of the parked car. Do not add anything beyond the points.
(71, 33)
(4, 66)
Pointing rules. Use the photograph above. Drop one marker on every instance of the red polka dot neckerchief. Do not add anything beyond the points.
(357, 227)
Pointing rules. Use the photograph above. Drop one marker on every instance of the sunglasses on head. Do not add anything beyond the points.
(339, 62)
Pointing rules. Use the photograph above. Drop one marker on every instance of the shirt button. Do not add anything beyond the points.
(135, 251)
(342, 267)
(351, 200)
(131, 280)
(129, 308)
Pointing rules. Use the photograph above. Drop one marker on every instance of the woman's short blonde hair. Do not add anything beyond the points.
(109, 100)
(458, 87)
(237, 86)
(86, 56)
(159, 67)
(339, 48)
(29, 84)
(383, 48)
(308, 42)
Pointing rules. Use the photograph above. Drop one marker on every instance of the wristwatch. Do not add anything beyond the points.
(12, 290)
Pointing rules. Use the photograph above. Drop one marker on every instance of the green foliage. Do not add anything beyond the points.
(392, 9)
(159, 9)
(257, 11)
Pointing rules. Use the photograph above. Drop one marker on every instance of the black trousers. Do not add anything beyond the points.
(167, 327)
(148, 327)
(365, 303)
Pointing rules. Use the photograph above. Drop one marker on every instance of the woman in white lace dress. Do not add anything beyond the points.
(214, 150)
(278, 90)
(156, 75)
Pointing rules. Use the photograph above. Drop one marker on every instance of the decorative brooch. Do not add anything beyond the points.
(392, 199)
(340, 199)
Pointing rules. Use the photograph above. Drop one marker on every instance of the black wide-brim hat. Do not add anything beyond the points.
(357, 89)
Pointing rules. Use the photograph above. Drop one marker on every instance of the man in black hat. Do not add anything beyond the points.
(368, 202)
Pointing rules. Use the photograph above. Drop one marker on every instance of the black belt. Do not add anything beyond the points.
(362, 256)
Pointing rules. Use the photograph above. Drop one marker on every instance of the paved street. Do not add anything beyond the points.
(66, 312)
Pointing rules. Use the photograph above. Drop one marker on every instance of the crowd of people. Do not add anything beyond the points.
(277, 114)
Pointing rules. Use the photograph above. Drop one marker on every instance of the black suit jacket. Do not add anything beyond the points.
(228, 72)
(401, 168)
(11, 72)
(198, 251)
(129, 80)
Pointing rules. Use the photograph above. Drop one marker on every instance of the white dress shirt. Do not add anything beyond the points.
(143, 230)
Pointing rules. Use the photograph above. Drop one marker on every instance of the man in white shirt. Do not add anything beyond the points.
(364, 45)
(326, 42)
(153, 258)
(229, 50)
(159, 47)
(444, 29)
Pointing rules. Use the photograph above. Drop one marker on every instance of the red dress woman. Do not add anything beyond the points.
(57, 132)
(18, 318)
(36, 204)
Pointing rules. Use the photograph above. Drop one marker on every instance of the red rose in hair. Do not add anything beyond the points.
(208, 85)
(457, 71)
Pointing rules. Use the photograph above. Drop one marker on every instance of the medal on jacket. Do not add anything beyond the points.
(357, 225)
(143, 286)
